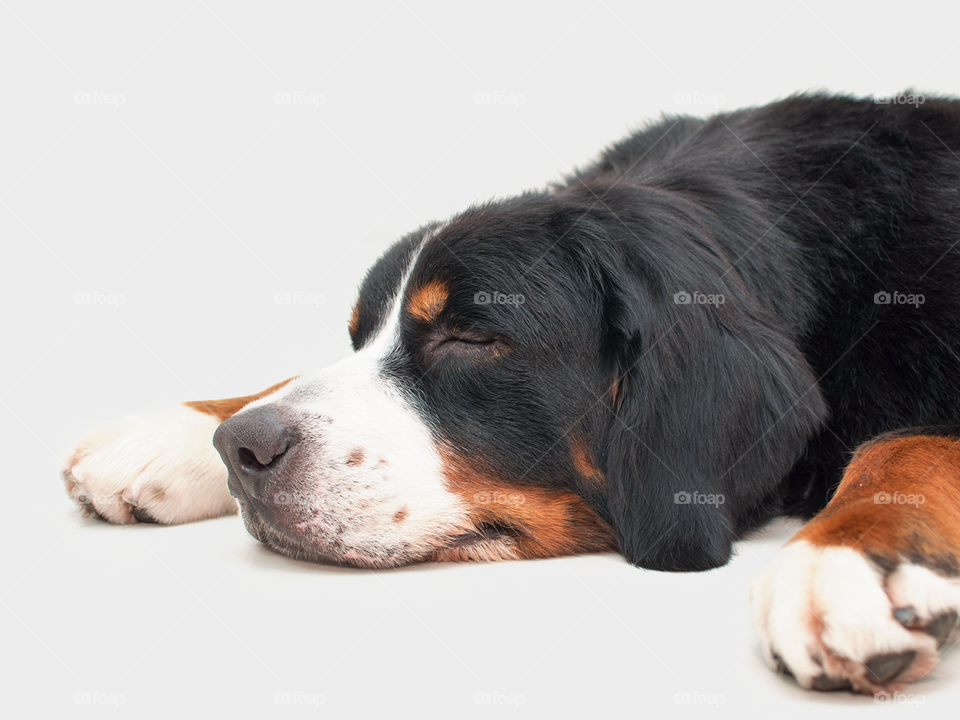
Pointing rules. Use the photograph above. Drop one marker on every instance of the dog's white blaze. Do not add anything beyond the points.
(351, 406)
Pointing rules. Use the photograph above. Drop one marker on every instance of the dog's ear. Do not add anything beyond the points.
(710, 406)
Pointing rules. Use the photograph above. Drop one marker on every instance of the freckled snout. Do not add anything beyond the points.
(254, 446)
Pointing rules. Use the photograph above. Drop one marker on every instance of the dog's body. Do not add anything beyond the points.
(675, 345)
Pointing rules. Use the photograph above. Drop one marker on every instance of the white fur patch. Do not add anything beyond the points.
(928, 593)
(366, 486)
(392, 507)
(165, 466)
(828, 611)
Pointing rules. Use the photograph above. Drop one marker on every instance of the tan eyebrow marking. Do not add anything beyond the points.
(428, 301)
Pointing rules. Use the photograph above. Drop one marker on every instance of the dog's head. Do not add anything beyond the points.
(546, 375)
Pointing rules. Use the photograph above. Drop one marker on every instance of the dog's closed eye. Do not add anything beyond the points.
(465, 344)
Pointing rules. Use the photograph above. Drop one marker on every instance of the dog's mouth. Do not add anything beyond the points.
(489, 541)
(486, 542)
(484, 533)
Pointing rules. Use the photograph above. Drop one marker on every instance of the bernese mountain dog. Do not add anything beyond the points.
(718, 322)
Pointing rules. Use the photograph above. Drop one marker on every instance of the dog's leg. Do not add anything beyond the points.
(865, 596)
(160, 468)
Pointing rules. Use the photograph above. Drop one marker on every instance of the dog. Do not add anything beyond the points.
(718, 322)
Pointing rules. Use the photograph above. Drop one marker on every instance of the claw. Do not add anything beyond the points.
(941, 627)
(142, 516)
(883, 668)
(825, 683)
(906, 616)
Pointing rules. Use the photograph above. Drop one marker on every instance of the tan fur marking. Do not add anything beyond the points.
(231, 406)
(615, 391)
(400, 515)
(923, 469)
(541, 522)
(354, 324)
(584, 464)
(355, 457)
(428, 301)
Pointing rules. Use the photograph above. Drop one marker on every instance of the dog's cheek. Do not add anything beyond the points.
(535, 522)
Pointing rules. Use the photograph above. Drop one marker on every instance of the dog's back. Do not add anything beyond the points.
(860, 199)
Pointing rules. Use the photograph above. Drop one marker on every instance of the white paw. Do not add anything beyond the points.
(161, 469)
(829, 617)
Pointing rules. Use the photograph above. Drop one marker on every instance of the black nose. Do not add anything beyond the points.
(252, 445)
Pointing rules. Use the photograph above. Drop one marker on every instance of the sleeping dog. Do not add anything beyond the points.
(718, 322)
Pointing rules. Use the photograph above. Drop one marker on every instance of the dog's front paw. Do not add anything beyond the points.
(160, 469)
(836, 621)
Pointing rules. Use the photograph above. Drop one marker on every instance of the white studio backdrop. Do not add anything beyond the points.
(190, 193)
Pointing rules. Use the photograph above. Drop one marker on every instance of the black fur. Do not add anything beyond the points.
(797, 214)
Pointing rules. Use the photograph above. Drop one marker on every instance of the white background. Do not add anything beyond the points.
(183, 189)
